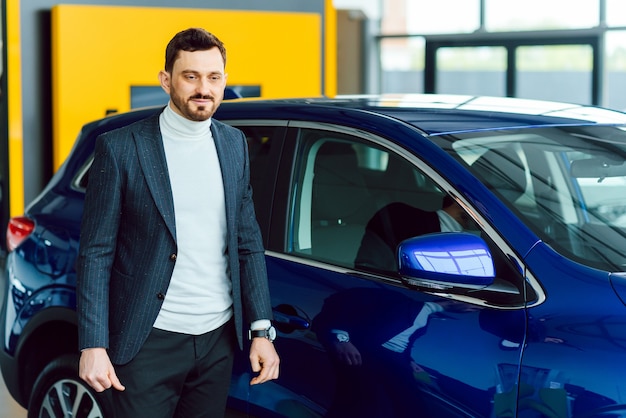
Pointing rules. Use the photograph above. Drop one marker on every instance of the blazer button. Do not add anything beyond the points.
(173, 257)
(160, 296)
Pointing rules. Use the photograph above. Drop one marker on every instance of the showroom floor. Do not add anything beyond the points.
(9, 408)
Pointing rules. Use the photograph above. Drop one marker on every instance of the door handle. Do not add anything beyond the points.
(288, 319)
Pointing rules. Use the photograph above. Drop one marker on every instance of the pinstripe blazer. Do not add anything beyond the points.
(128, 238)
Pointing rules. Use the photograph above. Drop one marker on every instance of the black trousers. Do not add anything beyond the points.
(178, 375)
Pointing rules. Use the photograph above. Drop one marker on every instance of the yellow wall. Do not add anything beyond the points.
(98, 52)
(330, 48)
(14, 100)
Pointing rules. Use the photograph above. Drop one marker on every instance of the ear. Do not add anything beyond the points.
(164, 79)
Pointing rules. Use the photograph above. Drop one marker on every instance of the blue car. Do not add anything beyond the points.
(431, 256)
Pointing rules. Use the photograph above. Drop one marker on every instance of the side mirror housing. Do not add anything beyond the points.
(446, 260)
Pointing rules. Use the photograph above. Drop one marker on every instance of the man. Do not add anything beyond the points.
(171, 260)
(398, 221)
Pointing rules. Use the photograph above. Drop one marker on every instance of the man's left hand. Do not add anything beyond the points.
(264, 360)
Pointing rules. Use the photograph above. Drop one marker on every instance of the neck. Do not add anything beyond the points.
(181, 127)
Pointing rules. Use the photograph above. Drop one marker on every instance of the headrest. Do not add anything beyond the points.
(339, 191)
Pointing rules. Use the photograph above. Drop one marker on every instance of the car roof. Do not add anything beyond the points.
(437, 114)
(433, 114)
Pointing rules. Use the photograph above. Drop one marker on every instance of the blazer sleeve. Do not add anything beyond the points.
(100, 222)
(253, 271)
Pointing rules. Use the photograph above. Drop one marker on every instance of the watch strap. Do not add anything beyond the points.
(269, 333)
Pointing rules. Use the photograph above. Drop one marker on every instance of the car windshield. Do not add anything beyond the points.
(568, 184)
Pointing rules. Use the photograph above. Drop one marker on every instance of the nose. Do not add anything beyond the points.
(203, 87)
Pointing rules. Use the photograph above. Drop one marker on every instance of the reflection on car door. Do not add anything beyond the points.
(264, 143)
(355, 342)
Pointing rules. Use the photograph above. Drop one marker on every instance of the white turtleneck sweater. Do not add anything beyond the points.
(199, 297)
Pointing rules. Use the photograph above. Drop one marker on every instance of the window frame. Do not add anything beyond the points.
(287, 175)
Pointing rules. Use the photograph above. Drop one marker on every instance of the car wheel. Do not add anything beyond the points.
(59, 393)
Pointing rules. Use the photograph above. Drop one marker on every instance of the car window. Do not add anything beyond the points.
(355, 201)
(264, 142)
(343, 183)
(567, 184)
(260, 140)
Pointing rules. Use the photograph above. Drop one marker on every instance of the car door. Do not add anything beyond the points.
(354, 339)
(264, 140)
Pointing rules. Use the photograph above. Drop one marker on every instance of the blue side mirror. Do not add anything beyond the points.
(445, 260)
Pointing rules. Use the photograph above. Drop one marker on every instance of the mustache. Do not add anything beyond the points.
(203, 97)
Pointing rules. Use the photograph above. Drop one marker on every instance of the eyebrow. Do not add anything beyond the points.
(199, 72)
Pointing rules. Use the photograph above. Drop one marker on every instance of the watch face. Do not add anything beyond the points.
(342, 338)
(271, 333)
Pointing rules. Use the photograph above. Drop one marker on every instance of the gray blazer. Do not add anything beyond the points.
(128, 238)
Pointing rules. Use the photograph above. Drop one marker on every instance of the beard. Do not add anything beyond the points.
(192, 111)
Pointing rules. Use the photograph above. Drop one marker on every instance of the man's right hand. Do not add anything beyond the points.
(347, 353)
(96, 369)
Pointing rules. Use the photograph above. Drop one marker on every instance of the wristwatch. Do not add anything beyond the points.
(341, 336)
(269, 333)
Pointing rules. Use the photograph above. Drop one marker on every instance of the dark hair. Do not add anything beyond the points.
(192, 39)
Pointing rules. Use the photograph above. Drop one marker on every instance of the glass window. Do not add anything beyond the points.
(567, 69)
(472, 70)
(402, 64)
(615, 66)
(512, 15)
(354, 202)
(343, 184)
(333, 201)
(430, 17)
(615, 12)
(260, 139)
(567, 184)
(262, 147)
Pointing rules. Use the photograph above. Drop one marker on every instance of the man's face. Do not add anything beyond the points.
(196, 84)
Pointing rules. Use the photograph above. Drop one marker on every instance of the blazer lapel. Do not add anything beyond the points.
(154, 165)
(229, 161)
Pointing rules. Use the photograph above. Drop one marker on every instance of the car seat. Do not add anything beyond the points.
(341, 206)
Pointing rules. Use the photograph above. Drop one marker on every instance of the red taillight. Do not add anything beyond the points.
(18, 230)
